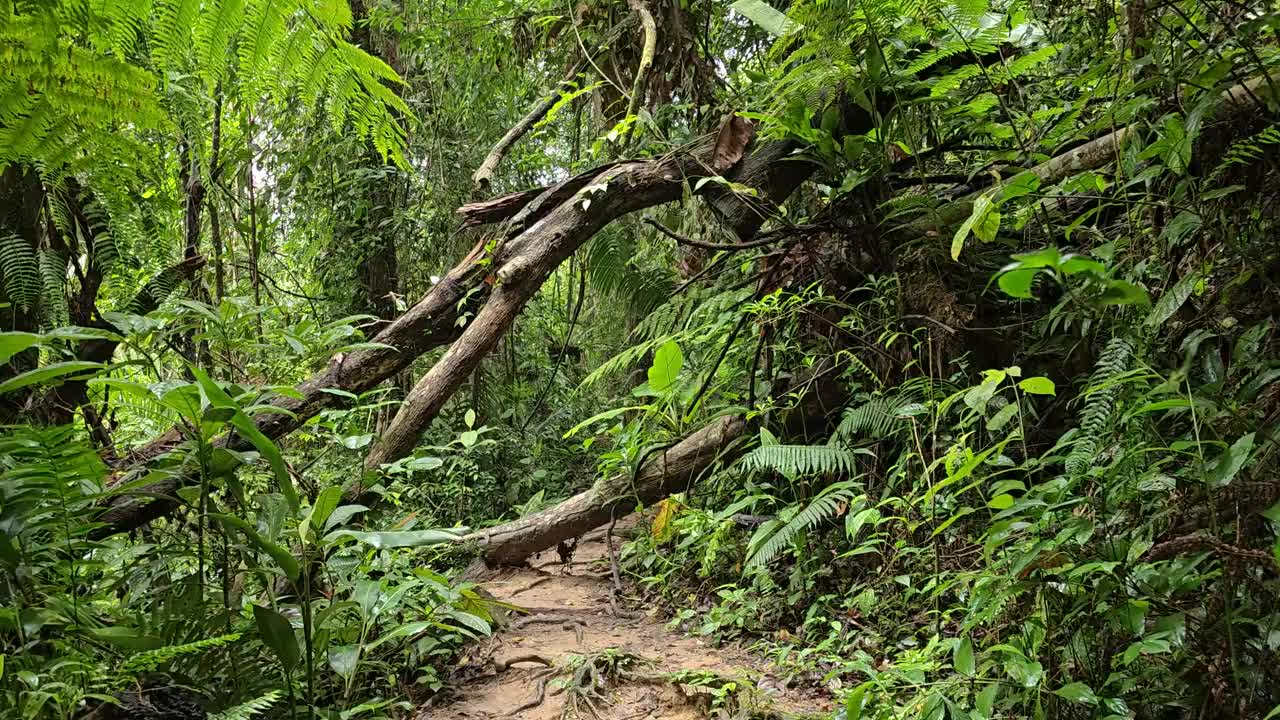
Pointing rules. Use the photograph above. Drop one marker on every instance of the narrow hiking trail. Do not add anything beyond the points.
(584, 656)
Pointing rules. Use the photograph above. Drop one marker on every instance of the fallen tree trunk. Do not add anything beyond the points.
(669, 471)
(543, 231)
(428, 324)
(524, 264)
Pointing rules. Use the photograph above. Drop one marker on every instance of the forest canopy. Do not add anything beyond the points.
(639, 359)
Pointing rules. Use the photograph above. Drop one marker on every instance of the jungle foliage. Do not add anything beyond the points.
(979, 298)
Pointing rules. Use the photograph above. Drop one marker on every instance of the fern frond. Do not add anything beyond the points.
(798, 460)
(19, 267)
(149, 660)
(247, 710)
(53, 278)
(1247, 150)
(873, 419)
(1100, 402)
(775, 535)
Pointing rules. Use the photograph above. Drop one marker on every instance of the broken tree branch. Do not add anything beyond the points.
(1089, 156)
(646, 62)
(526, 263)
(484, 174)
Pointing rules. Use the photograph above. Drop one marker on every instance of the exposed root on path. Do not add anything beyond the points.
(578, 653)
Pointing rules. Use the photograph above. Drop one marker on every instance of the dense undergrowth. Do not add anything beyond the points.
(1005, 350)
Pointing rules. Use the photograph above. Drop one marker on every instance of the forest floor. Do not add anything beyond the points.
(584, 656)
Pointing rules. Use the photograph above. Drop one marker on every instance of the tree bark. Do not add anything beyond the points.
(666, 472)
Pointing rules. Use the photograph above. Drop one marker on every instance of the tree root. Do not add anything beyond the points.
(532, 585)
(614, 572)
(503, 665)
(539, 693)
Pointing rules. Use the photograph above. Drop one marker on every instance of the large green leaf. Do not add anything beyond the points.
(764, 15)
(218, 398)
(277, 634)
(667, 362)
(284, 559)
(979, 222)
(46, 374)
(1229, 463)
(326, 502)
(12, 343)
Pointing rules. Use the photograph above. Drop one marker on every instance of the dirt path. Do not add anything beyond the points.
(615, 667)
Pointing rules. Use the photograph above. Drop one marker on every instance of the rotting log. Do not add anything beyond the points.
(664, 473)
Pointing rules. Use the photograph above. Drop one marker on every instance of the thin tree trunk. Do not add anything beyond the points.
(484, 174)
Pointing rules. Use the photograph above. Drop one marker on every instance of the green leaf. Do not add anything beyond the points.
(1003, 501)
(1038, 386)
(986, 700)
(1171, 300)
(1077, 692)
(854, 702)
(1021, 184)
(243, 423)
(355, 442)
(12, 343)
(282, 557)
(601, 417)
(277, 634)
(125, 637)
(1017, 283)
(413, 538)
(47, 373)
(986, 229)
(1120, 292)
(667, 362)
(326, 502)
(426, 462)
(963, 659)
(977, 217)
(764, 15)
(343, 659)
(343, 514)
(1230, 462)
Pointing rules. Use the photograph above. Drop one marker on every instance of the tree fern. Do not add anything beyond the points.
(774, 536)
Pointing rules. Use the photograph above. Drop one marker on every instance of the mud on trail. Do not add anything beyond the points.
(575, 653)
